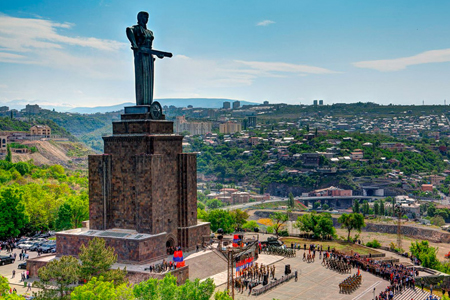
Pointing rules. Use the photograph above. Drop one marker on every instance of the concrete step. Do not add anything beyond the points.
(412, 294)
(205, 264)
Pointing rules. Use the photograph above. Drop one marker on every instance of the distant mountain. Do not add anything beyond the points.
(178, 102)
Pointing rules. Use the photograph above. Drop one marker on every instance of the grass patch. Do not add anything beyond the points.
(338, 245)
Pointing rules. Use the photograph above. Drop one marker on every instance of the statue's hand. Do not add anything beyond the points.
(134, 47)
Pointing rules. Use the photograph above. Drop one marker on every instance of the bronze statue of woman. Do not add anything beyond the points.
(141, 40)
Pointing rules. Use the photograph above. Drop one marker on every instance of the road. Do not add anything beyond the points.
(6, 271)
(245, 205)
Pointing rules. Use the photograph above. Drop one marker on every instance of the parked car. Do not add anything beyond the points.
(22, 266)
(47, 248)
(26, 245)
(36, 246)
(6, 260)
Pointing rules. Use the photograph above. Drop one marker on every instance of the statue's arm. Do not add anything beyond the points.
(130, 35)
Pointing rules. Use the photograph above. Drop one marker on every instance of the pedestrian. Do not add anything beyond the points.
(431, 289)
(20, 256)
(29, 287)
(13, 273)
(296, 275)
(421, 284)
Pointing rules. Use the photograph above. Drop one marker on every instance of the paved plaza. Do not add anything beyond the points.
(6, 271)
(315, 282)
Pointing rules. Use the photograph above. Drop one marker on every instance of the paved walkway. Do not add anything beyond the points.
(16, 282)
(316, 282)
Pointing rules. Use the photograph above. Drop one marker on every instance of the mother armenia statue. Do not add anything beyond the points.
(141, 40)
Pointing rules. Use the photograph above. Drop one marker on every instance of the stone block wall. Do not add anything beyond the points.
(127, 250)
(420, 233)
(182, 274)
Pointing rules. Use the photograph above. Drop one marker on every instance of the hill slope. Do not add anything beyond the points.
(71, 155)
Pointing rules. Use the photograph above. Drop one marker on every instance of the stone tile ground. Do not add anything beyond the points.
(316, 282)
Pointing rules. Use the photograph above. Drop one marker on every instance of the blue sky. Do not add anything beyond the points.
(75, 53)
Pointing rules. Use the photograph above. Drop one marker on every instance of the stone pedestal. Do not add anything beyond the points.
(143, 184)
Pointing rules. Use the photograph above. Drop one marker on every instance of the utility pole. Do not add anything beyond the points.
(399, 226)
(230, 273)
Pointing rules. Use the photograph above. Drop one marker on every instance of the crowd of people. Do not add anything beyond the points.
(252, 276)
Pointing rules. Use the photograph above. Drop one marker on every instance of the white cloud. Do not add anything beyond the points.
(39, 42)
(269, 67)
(397, 64)
(265, 23)
(25, 35)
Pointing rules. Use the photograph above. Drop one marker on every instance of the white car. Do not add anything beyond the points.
(25, 245)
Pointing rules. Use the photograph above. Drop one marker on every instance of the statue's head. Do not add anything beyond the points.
(142, 17)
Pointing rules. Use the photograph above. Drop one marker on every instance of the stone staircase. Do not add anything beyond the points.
(411, 294)
(205, 264)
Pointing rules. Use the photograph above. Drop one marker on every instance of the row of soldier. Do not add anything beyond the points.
(256, 272)
(350, 284)
(280, 251)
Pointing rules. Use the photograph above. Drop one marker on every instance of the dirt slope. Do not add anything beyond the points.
(51, 152)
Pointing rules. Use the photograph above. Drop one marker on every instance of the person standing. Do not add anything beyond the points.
(13, 274)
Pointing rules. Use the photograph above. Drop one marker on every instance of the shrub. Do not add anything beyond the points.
(373, 244)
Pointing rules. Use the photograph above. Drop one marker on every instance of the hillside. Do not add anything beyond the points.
(69, 154)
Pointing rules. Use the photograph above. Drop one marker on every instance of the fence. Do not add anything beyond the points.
(272, 284)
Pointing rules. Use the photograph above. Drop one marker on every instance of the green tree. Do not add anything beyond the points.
(438, 220)
(220, 218)
(325, 206)
(353, 221)
(425, 253)
(222, 295)
(98, 289)
(12, 212)
(356, 208)
(8, 156)
(278, 220)
(320, 224)
(214, 203)
(64, 220)
(239, 216)
(60, 273)
(382, 208)
(431, 210)
(250, 225)
(4, 290)
(376, 208)
(291, 202)
(4, 286)
(365, 208)
(316, 205)
(97, 260)
(154, 289)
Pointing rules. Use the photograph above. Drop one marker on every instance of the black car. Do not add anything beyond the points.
(22, 266)
(6, 260)
(36, 246)
(47, 248)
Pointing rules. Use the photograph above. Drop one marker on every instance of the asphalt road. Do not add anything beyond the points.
(244, 205)
(6, 271)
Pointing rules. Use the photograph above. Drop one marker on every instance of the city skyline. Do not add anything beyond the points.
(71, 54)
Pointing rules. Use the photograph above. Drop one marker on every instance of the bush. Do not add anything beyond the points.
(373, 244)
(283, 233)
